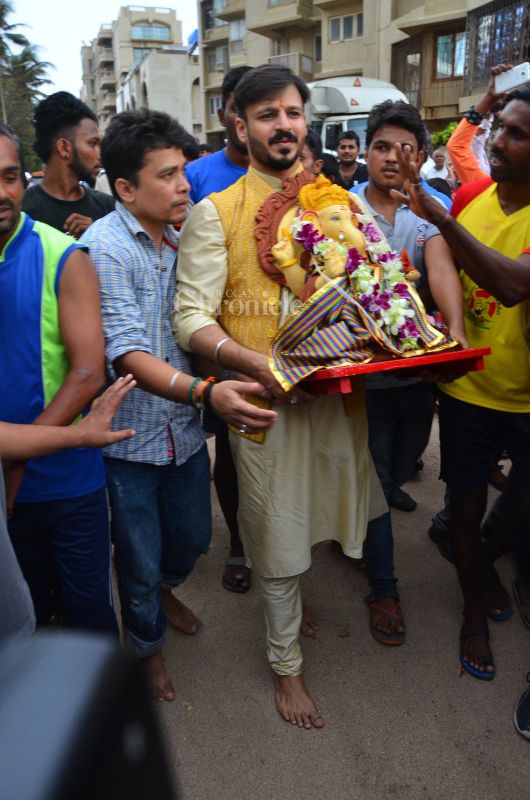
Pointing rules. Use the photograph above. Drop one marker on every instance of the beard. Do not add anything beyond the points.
(279, 163)
(81, 170)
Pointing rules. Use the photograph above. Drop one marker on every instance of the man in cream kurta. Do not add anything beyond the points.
(311, 478)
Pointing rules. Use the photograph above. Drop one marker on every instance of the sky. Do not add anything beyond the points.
(60, 27)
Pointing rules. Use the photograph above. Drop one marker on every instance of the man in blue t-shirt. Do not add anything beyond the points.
(223, 168)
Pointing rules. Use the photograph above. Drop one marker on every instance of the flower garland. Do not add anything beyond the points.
(387, 303)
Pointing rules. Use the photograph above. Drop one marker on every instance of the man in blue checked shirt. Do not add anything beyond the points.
(159, 483)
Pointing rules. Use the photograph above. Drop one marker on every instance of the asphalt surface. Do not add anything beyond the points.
(401, 723)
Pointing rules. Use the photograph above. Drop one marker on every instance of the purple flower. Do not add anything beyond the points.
(353, 260)
(408, 330)
(370, 231)
(384, 257)
(401, 290)
(309, 236)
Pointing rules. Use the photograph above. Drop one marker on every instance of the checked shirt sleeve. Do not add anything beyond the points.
(123, 324)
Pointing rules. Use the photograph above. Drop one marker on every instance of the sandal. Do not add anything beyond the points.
(491, 580)
(241, 582)
(377, 614)
(466, 632)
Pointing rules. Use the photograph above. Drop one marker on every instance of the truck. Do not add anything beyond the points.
(343, 104)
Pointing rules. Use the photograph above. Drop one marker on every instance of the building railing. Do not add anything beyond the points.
(297, 62)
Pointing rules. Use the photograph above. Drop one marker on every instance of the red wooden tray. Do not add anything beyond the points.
(448, 362)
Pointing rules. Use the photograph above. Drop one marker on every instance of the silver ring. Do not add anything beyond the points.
(293, 400)
(243, 429)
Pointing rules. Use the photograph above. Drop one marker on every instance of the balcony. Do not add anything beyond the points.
(108, 101)
(214, 80)
(233, 8)
(331, 4)
(277, 16)
(104, 36)
(104, 55)
(422, 19)
(297, 62)
(219, 33)
(106, 79)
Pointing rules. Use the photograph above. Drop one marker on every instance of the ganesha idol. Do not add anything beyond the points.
(359, 296)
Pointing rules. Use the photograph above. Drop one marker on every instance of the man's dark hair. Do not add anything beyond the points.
(56, 116)
(207, 147)
(9, 133)
(330, 167)
(350, 135)
(133, 134)
(314, 142)
(519, 94)
(441, 185)
(265, 83)
(230, 81)
(402, 115)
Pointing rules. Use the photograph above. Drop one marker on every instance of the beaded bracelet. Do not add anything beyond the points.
(191, 390)
(473, 116)
(198, 400)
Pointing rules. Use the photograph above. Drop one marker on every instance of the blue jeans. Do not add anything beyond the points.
(399, 425)
(161, 524)
(65, 545)
(378, 552)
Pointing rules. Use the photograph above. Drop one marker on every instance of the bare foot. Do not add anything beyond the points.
(295, 704)
(180, 616)
(309, 622)
(158, 680)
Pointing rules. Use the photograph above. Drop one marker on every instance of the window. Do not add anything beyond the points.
(450, 55)
(318, 47)
(498, 32)
(214, 104)
(238, 29)
(152, 33)
(342, 29)
(218, 59)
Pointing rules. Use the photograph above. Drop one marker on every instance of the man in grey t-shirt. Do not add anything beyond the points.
(400, 412)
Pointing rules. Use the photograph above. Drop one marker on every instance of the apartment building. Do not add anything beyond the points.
(438, 52)
(139, 60)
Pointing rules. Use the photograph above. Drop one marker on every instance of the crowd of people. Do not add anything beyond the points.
(138, 287)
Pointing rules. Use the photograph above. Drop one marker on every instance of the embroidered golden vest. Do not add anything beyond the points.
(250, 307)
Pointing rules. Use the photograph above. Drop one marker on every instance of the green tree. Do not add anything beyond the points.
(23, 79)
(9, 35)
(440, 138)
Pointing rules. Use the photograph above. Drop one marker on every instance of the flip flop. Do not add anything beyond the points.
(520, 604)
(491, 580)
(237, 561)
(497, 616)
(375, 614)
(466, 631)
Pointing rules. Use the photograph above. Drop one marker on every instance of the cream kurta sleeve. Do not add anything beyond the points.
(201, 273)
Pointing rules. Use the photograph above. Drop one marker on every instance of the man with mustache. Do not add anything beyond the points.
(67, 140)
(159, 482)
(400, 411)
(206, 175)
(489, 235)
(52, 365)
(311, 477)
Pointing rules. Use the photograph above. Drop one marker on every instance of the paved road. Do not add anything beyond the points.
(401, 723)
